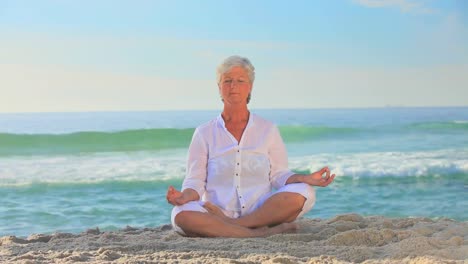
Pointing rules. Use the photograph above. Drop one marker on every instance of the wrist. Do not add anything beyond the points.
(296, 178)
(190, 195)
(301, 178)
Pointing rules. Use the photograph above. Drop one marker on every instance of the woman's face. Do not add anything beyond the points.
(235, 86)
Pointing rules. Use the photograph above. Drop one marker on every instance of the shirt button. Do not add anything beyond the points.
(237, 164)
(237, 174)
(238, 150)
(243, 206)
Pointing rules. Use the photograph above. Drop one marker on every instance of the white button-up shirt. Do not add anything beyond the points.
(235, 175)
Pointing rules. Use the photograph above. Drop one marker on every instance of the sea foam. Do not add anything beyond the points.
(170, 165)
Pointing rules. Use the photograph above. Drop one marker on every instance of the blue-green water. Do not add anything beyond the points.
(71, 171)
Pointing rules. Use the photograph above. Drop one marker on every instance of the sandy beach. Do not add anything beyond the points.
(348, 238)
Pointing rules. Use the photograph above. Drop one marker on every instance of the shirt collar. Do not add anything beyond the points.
(221, 123)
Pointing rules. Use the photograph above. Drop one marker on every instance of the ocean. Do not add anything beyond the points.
(67, 172)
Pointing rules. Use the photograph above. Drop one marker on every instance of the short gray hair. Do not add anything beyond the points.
(234, 61)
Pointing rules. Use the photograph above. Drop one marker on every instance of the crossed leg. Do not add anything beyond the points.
(198, 224)
(280, 208)
(272, 217)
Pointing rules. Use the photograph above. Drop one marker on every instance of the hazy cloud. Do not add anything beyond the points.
(49, 88)
(363, 86)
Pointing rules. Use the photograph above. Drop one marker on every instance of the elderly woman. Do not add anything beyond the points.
(238, 183)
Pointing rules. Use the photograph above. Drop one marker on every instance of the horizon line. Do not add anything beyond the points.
(219, 109)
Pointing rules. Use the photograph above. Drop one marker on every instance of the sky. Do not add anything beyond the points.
(140, 55)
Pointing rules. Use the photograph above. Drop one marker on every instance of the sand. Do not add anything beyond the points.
(347, 238)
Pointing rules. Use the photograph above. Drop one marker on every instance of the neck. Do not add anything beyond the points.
(235, 113)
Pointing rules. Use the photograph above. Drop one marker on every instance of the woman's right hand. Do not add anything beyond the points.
(175, 197)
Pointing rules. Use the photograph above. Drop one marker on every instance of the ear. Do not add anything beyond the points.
(219, 91)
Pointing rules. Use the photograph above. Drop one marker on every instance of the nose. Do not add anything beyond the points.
(234, 83)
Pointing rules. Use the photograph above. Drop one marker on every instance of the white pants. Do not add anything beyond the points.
(301, 188)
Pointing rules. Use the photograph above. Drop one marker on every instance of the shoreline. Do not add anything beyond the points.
(346, 238)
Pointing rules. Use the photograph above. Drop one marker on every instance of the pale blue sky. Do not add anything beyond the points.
(161, 55)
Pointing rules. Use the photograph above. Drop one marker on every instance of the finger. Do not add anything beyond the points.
(327, 175)
(330, 180)
(319, 172)
(171, 189)
(171, 195)
(170, 200)
(174, 200)
(323, 170)
(326, 181)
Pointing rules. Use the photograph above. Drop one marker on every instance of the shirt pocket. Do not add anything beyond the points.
(255, 168)
(220, 169)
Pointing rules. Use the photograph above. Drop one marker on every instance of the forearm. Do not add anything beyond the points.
(295, 178)
(319, 178)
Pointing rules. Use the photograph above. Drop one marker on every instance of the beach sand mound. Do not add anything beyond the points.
(347, 238)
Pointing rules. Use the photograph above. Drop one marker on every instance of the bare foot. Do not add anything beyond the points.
(215, 210)
(279, 229)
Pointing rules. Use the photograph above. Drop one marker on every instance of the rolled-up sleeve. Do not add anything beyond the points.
(196, 164)
(279, 171)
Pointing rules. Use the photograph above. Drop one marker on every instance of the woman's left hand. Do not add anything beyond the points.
(318, 179)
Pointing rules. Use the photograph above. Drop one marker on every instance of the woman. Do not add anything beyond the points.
(234, 163)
